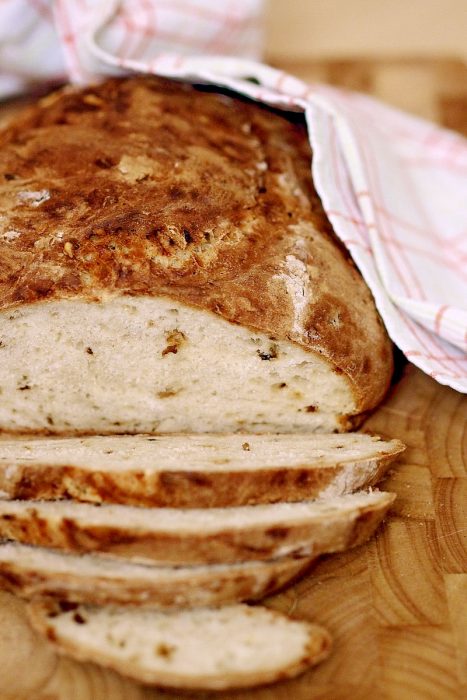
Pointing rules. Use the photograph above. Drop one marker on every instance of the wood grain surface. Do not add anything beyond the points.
(397, 606)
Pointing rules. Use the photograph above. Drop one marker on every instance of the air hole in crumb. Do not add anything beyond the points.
(170, 349)
(104, 163)
(271, 354)
(175, 340)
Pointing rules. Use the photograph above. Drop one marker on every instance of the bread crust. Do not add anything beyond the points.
(305, 537)
(191, 489)
(118, 190)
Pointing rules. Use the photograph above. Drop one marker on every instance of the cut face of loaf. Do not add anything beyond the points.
(192, 471)
(166, 265)
(33, 572)
(207, 536)
(133, 365)
(207, 649)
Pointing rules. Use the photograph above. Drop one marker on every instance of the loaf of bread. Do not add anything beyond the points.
(203, 649)
(166, 265)
(193, 471)
(197, 536)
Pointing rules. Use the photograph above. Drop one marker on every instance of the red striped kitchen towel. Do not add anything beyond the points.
(394, 186)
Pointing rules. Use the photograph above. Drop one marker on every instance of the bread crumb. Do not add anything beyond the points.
(135, 168)
(68, 248)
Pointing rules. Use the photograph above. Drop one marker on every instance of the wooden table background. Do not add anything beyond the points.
(397, 607)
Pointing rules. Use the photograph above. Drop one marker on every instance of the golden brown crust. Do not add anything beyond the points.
(228, 545)
(144, 186)
(183, 489)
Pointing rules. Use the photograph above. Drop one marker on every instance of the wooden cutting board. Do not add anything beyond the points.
(397, 607)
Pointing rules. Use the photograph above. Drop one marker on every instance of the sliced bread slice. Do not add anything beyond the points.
(204, 649)
(193, 471)
(33, 572)
(197, 536)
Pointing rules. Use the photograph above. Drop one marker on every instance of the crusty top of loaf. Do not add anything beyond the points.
(146, 186)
